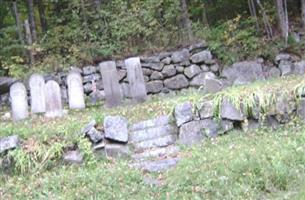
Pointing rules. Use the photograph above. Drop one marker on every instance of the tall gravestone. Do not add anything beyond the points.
(136, 79)
(37, 89)
(53, 100)
(112, 88)
(75, 91)
(19, 102)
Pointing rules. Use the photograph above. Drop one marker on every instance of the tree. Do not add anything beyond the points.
(283, 18)
(253, 12)
(303, 12)
(266, 20)
(32, 20)
(18, 23)
(185, 21)
(42, 15)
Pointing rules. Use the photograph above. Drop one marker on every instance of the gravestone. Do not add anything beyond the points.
(53, 100)
(75, 91)
(136, 79)
(37, 89)
(112, 88)
(19, 102)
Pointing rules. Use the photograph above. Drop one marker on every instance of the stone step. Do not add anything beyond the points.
(157, 142)
(157, 165)
(152, 133)
(159, 121)
(157, 152)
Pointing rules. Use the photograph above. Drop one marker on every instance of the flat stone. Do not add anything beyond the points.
(198, 46)
(228, 111)
(206, 110)
(88, 127)
(157, 66)
(177, 82)
(183, 113)
(191, 133)
(180, 56)
(192, 71)
(9, 143)
(116, 128)
(201, 57)
(169, 71)
(158, 165)
(73, 157)
(157, 152)
(152, 133)
(117, 151)
(154, 87)
(151, 59)
(158, 142)
(159, 121)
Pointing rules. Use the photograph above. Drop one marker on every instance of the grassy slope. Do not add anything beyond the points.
(262, 164)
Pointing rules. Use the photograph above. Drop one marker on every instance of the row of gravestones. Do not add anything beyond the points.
(46, 97)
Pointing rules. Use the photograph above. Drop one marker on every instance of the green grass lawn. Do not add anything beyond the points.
(261, 164)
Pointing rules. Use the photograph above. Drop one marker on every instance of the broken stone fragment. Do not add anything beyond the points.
(116, 128)
(183, 113)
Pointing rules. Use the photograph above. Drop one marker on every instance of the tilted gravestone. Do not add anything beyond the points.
(136, 79)
(75, 91)
(37, 89)
(53, 100)
(19, 102)
(112, 88)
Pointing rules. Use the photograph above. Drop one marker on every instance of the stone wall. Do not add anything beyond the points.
(194, 66)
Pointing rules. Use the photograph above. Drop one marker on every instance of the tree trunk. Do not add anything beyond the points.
(303, 12)
(185, 21)
(29, 41)
(18, 23)
(32, 20)
(252, 9)
(267, 25)
(205, 20)
(283, 18)
(42, 16)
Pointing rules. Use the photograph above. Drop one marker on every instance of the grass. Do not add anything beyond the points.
(261, 164)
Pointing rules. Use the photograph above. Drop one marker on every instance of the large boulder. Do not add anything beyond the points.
(5, 83)
(9, 143)
(243, 72)
(176, 82)
(116, 129)
(183, 113)
(202, 57)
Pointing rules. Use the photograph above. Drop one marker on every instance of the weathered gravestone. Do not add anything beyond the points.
(75, 91)
(37, 89)
(136, 79)
(19, 102)
(53, 100)
(112, 88)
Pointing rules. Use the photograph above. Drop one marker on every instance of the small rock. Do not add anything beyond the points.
(199, 80)
(180, 56)
(116, 128)
(286, 68)
(183, 113)
(228, 111)
(9, 143)
(154, 87)
(146, 72)
(204, 68)
(198, 47)
(169, 71)
(176, 82)
(89, 70)
(215, 68)
(73, 157)
(156, 76)
(206, 110)
(88, 127)
(94, 135)
(166, 60)
(212, 85)
(179, 68)
(192, 71)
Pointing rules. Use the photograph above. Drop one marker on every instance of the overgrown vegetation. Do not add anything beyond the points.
(81, 32)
